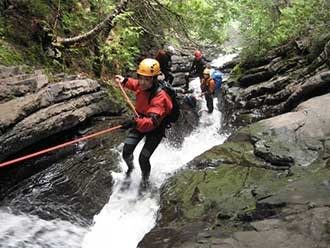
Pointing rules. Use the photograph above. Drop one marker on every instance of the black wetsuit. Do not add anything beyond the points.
(165, 62)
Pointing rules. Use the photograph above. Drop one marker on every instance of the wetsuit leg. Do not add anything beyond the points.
(131, 141)
(209, 102)
(152, 141)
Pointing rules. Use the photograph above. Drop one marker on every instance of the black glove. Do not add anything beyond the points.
(128, 124)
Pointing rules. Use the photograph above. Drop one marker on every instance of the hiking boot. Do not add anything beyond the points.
(144, 186)
(129, 172)
(126, 183)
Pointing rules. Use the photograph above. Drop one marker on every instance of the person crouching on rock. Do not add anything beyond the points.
(152, 104)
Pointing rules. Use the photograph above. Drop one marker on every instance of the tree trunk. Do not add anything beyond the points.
(107, 25)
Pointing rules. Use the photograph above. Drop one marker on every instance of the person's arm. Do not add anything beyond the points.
(160, 106)
(192, 66)
(203, 86)
(127, 82)
(211, 87)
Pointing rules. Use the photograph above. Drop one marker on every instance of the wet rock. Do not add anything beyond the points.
(248, 196)
(72, 184)
(275, 84)
(47, 110)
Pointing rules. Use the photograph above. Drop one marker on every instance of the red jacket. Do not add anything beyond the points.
(160, 105)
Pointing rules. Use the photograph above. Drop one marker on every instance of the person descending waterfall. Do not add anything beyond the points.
(208, 88)
(196, 70)
(164, 57)
(153, 104)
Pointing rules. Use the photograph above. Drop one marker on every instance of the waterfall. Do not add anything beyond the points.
(127, 217)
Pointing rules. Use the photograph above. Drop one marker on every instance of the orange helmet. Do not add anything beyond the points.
(148, 68)
(198, 54)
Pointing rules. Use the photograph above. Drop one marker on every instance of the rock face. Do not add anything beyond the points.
(268, 184)
(277, 83)
(44, 109)
(73, 183)
(255, 188)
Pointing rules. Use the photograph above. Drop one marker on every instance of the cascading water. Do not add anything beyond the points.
(127, 217)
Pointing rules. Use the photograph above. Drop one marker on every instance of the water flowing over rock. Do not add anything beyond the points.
(75, 182)
(268, 184)
(36, 113)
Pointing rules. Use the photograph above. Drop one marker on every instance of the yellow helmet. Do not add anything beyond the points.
(207, 71)
(148, 68)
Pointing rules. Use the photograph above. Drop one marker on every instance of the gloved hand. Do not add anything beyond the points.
(119, 78)
(128, 124)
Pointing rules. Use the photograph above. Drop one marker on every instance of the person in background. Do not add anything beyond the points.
(208, 89)
(196, 70)
(164, 57)
(152, 104)
(217, 76)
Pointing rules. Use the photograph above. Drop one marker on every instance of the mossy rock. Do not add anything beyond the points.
(8, 54)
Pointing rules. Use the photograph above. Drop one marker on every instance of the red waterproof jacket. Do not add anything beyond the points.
(160, 105)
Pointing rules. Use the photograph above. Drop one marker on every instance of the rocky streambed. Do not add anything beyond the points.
(268, 185)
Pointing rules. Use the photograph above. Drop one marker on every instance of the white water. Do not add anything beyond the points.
(126, 218)
(29, 231)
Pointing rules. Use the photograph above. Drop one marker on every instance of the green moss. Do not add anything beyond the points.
(8, 55)
(114, 93)
(227, 189)
(38, 7)
(236, 72)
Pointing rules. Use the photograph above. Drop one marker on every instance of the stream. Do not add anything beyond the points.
(128, 215)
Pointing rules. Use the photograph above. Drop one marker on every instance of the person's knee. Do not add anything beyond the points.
(127, 154)
(144, 160)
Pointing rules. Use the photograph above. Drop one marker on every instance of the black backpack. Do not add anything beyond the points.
(175, 113)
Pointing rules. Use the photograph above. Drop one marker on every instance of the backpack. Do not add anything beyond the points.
(175, 113)
(217, 77)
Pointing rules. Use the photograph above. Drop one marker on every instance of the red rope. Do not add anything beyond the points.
(10, 162)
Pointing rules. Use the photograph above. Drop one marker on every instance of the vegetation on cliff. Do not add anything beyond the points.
(29, 29)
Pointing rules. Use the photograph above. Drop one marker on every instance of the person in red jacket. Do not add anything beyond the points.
(196, 70)
(152, 104)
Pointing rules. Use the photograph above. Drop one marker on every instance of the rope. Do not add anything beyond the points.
(128, 100)
(10, 162)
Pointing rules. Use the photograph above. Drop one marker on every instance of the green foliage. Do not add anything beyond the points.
(122, 47)
(38, 8)
(301, 17)
(258, 22)
(266, 24)
(8, 55)
(204, 20)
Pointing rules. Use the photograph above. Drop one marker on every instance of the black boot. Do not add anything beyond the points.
(130, 165)
(144, 184)
(127, 180)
